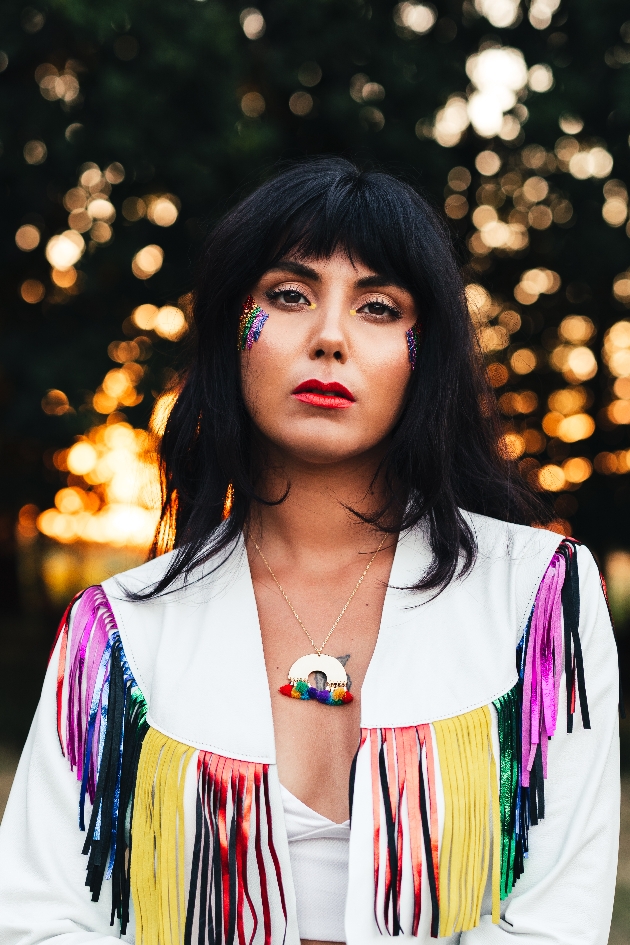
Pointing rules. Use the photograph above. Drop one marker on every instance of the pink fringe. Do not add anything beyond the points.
(543, 668)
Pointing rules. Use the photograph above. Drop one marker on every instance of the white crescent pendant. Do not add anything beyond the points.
(315, 663)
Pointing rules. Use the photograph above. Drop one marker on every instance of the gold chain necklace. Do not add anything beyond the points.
(336, 691)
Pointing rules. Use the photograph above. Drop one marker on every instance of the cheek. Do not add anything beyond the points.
(387, 375)
(264, 370)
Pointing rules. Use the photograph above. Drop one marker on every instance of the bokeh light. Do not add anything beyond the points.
(170, 323)
(499, 73)
(27, 238)
(147, 261)
(32, 291)
(55, 403)
(117, 500)
(501, 13)
(35, 152)
(418, 17)
(65, 249)
(309, 73)
(540, 78)
(616, 349)
(253, 104)
(162, 210)
(252, 22)
(541, 12)
(301, 103)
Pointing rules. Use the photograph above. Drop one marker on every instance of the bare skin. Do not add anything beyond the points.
(333, 321)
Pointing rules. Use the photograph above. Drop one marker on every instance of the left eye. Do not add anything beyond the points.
(379, 309)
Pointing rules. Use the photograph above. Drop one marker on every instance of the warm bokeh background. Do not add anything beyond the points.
(126, 128)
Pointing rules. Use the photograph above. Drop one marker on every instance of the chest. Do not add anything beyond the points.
(315, 743)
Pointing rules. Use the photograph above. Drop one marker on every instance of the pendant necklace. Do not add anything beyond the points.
(336, 691)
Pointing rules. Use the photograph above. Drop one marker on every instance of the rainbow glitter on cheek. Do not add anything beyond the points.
(413, 340)
(250, 324)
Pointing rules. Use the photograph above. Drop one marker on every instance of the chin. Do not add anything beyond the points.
(324, 450)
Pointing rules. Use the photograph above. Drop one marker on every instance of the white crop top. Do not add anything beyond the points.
(318, 849)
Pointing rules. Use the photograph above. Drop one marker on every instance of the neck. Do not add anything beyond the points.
(315, 521)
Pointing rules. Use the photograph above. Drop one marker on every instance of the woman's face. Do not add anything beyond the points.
(331, 322)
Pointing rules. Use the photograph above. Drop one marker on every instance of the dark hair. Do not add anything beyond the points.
(443, 455)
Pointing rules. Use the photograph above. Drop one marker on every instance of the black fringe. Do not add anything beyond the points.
(124, 733)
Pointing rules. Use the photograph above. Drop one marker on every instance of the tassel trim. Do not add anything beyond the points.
(301, 690)
(134, 777)
(403, 763)
(232, 803)
(105, 725)
(487, 813)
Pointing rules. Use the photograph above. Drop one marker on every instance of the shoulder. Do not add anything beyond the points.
(150, 628)
(498, 539)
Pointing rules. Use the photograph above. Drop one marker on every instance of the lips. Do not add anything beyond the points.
(319, 394)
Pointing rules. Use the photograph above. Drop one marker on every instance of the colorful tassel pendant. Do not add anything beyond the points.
(336, 691)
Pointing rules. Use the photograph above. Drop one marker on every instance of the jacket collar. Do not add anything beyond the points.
(198, 657)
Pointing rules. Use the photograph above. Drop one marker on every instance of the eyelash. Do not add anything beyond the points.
(395, 313)
(274, 294)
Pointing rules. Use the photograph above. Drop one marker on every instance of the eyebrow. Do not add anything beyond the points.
(379, 282)
(298, 269)
(376, 281)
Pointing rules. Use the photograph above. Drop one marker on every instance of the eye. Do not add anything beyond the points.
(287, 296)
(378, 310)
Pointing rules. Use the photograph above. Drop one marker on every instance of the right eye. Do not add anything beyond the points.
(288, 297)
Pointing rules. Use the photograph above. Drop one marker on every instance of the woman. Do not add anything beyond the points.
(345, 534)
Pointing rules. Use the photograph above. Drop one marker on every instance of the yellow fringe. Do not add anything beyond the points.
(157, 863)
(471, 800)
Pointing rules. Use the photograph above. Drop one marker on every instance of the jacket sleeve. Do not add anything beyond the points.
(43, 896)
(566, 893)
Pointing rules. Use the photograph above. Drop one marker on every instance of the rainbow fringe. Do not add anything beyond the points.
(250, 325)
(483, 824)
(134, 778)
(105, 727)
(302, 690)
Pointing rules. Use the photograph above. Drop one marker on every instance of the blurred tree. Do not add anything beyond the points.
(135, 124)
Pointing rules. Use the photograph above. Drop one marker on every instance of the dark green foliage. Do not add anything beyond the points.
(169, 112)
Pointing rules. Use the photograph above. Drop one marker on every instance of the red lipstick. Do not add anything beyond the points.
(319, 394)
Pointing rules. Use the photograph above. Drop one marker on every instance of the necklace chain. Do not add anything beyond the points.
(319, 649)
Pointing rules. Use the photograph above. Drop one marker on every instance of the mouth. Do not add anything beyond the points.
(319, 394)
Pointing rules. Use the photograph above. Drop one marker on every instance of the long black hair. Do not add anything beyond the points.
(443, 455)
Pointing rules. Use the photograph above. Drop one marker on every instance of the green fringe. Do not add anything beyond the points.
(510, 795)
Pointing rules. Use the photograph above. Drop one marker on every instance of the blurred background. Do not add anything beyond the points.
(127, 128)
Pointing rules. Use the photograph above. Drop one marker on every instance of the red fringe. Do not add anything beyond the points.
(403, 766)
(227, 791)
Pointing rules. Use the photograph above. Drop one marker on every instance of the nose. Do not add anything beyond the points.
(329, 337)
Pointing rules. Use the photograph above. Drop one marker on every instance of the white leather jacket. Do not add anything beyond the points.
(155, 720)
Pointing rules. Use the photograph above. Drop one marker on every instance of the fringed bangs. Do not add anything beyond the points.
(348, 217)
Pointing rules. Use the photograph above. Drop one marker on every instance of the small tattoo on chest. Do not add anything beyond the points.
(320, 678)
